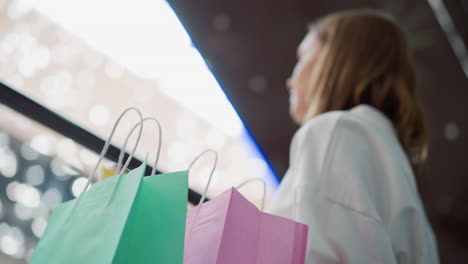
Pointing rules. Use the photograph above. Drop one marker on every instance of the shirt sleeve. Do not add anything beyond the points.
(339, 234)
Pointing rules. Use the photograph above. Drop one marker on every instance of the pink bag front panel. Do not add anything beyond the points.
(241, 232)
(204, 230)
(301, 232)
(231, 230)
(281, 241)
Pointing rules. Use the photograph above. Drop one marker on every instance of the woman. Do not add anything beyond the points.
(362, 135)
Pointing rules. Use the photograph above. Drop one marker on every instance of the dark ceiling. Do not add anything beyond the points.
(250, 47)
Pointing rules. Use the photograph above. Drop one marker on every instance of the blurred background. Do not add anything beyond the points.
(213, 73)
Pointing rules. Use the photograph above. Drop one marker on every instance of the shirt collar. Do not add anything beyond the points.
(373, 115)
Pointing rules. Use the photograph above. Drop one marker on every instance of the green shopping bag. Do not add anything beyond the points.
(123, 219)
(156, 229)
(162, 203)
(90, 228)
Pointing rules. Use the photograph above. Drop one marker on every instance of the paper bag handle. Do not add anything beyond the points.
(211, 173)
(106, 145)
(264, 188)
(121, 155)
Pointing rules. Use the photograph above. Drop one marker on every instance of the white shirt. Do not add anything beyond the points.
(350, 181)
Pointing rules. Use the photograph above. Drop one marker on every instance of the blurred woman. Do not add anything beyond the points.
(362, 136)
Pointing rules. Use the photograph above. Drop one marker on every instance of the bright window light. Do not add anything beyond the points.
(160, 49)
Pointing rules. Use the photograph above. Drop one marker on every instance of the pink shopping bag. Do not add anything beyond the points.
(231, 230)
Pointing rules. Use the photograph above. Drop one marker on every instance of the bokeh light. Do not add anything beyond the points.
(38, 226)
(28, 153)
(22, 212)
(78, 186)
(42, 143)
(8, 162)
(52, 197)
(35, 175)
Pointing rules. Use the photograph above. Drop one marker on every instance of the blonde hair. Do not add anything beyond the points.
(365, 59)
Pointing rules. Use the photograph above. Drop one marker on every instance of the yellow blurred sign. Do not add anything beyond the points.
(107, 172)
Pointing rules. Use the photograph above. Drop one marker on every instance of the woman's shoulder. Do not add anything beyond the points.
(360, 118)
(361, 126)
(316, 134)
(323, 125)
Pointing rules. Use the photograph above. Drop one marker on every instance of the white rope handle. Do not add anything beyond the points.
(264, 188)
(211, 173)
(106, 145)
(128, 137)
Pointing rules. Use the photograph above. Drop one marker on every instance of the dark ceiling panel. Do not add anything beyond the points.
(458, 10)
